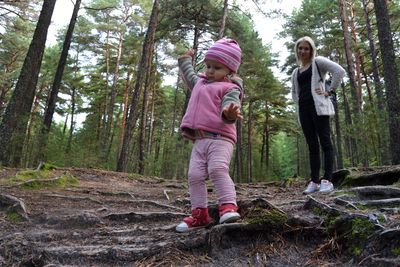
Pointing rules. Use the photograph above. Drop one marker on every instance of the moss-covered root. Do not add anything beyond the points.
(63, 180)
(353, 232)
(14, 208)
(262, 216)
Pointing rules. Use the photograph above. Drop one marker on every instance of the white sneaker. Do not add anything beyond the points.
(229, 217)
(326, 186)
(311, 188)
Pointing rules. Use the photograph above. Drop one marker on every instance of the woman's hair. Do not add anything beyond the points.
(310, 42)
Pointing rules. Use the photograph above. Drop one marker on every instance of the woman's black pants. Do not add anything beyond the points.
(317, 130)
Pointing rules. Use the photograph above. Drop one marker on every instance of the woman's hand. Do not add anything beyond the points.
(319, 91)
(232, 112)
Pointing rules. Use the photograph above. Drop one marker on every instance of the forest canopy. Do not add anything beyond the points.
(111, 61)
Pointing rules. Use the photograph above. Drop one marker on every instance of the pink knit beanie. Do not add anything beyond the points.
(227, 52)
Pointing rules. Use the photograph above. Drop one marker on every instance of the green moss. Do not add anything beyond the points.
(264, 216)
(317, 211)
(381, 218)
(361, 207)
(68, 179)
(361, 229)
(135, 176)
(330, 220)
(289, 181)
(351, 177)
(14, 216)
(48, 167)
(23, 176)
(64, 180)
(396, 251)
(357, 251)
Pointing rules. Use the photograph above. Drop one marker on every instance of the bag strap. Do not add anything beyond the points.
(332, 92)
(319, 73)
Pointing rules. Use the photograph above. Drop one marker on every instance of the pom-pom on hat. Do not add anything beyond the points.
(227, 52)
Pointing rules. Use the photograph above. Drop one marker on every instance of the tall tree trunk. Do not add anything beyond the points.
(110, 112)
(223, 21)
(51, 103)
(15, 120)
(239, 152)
(357, 56)
(267, 138)
(125, 111)
(349, 56)
(262, 152)
(362, 137)
(338, 138)
(143, 66)
(391, 77)
(65, 126)
(143, 121)
(175, 111)
(375, 68)
(351, 73)
(195, 48)
(105, 112)
(151, 119)
(249, 145)
(348, 139)
(72, 125)
(381, 114)
(29, 145)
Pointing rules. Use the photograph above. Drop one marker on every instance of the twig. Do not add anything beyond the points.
(368, 257)
(166, 194)
(40, 166)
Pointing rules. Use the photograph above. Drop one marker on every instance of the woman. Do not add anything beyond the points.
(315, 107)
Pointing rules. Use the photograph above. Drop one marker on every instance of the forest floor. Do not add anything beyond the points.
(91, 217)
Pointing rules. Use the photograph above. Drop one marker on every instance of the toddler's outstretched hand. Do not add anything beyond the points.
(189, 53)
(232, 112)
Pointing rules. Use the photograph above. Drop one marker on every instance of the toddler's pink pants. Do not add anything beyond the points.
(211, 158)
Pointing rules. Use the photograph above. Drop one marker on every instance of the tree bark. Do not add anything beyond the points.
(223, 22)
(51, 103)
(72, 124)
(239, 152)
(15, 120)
(339, 154)
(375, 68)
(110, 112)
(125, 109)
(351, 74)
(143, 121)
(143, 66)
(249, 145)
(390, 75)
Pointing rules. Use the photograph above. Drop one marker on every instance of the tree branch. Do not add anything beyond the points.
(11, 11)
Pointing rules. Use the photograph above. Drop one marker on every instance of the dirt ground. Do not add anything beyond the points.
(119, 219)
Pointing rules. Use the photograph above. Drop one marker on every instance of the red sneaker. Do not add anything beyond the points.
(228, 213)
(199, 219)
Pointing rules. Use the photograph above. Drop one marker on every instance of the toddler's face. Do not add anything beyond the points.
(215, 71)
